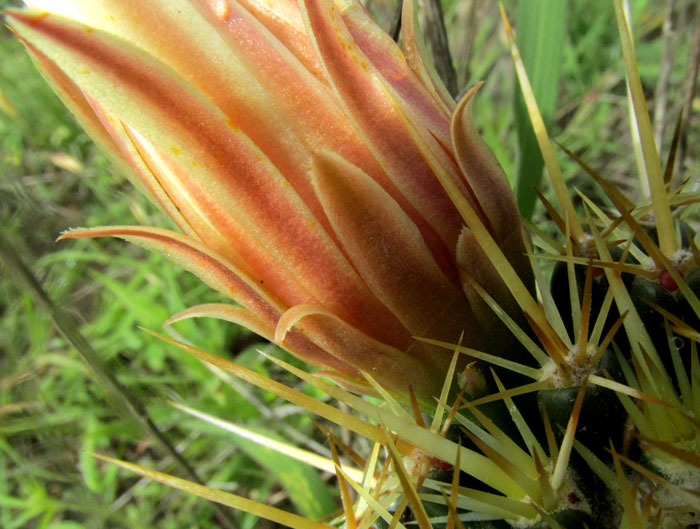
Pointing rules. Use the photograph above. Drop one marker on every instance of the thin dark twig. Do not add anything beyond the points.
(395, 30)
(673, 150)
(67, 327)
(436, 32)
(690, 85)
(661, 92)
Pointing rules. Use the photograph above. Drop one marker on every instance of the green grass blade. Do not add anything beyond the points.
(68, 328)
(540, 36)
(261, 510)
(291, 465)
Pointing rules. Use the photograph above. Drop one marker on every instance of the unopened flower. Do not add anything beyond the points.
(303, 155)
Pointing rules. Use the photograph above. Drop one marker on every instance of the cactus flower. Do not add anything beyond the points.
(302, 154)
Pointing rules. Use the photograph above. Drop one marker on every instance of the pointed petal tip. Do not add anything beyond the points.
(28, 16)
(98, 231)
(71, 233)
(292, 317)
(20, 14)
(467, 97)
(223, 311)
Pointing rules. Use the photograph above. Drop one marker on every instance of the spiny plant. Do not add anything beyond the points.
(571, 402)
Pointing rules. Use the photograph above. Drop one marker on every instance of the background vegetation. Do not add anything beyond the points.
(52, 406)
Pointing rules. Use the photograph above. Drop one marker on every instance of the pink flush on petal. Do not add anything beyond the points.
(304, 156)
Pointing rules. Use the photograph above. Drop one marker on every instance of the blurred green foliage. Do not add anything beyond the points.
(541, 32)
(52, 409)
